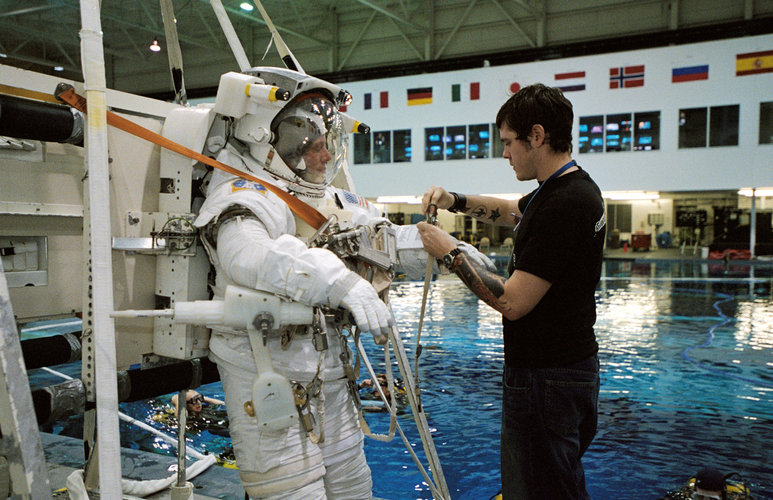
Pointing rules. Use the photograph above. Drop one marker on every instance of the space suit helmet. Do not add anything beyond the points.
(308, 135)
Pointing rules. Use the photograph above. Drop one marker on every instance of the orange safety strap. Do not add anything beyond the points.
(29, 94)
(309, 214)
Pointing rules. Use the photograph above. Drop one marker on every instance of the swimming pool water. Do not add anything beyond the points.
(686, 354)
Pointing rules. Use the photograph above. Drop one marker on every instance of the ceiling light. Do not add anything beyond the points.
(246, 6)
(154, 46)
(630, 195)
(758, 192)
(409, 200)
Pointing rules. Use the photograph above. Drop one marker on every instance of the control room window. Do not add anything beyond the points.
(646, 131)
(456, 142)
(723, 125)
(479, 140)
(401, 143)
(692, 127)
(766, 123)
(361, 148)
(382, 147)
(497, 148)
(618, 132)
(591, 136)
(433, 144)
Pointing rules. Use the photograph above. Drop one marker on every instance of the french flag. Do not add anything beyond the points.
(570, 82)
(690, 73)
(626, 77)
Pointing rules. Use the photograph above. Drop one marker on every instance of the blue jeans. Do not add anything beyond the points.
(549, 418)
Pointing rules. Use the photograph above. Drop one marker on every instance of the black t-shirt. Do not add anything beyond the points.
(560, 239)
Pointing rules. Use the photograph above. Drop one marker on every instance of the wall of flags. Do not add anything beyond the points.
(687, 117)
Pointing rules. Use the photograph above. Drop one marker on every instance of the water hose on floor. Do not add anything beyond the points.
(137, 488)
(710, 337)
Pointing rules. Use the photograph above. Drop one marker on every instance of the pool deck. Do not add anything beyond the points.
(674, 254)
(65, 455)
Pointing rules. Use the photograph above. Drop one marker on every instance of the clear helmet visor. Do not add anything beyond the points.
(309, 136)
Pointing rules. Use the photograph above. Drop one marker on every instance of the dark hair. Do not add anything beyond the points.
(539, 104)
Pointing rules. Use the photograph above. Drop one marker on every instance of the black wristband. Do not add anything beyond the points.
(459, 204)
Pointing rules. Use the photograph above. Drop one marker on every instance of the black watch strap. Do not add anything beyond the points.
(459, 204)
(448, 259)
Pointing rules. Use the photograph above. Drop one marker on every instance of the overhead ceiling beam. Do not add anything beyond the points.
(405, 37)
(356, 41)
(456, 28)
(514, 23)
(391, 14)
(26, 10)
(257, 20)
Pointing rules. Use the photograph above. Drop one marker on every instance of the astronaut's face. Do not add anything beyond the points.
(316, 158)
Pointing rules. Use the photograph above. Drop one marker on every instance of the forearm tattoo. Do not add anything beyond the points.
(482, 213)
(487, 286)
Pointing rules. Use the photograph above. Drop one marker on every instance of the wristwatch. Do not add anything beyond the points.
(448, 259)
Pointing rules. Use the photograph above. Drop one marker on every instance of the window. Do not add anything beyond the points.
(766, 123)
(718, 124)
(402, 146)
(692, 127)
(591, 136)
(723, 125)
(361, 148)
(646, 132)
(382, 147)
(497, 148)
(456, 142)
(618, 132)
(619, 217)
(478, 137)
(433, 144)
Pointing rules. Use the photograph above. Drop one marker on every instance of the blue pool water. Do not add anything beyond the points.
(686, 353)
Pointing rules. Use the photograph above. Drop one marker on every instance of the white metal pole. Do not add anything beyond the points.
(101, 273)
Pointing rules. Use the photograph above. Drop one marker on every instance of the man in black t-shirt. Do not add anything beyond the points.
(551, 374)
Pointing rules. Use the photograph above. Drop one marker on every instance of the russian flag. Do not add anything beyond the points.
(570, 82)
(690, 73)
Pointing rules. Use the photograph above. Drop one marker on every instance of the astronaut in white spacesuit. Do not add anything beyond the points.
(254, 240)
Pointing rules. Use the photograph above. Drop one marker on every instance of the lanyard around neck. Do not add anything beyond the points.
(555, 174)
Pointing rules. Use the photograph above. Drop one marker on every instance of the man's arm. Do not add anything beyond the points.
(514, 297)
(488, 209)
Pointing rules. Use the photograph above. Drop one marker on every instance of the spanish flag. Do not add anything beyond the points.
(421, 95)
(754, 63)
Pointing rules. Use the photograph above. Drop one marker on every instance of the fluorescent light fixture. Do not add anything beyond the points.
(758, 192)
(58, 68)
(630, 195)
(506, 196)
(154, 46)
(246, 6)
(407, 200)
(3, 55)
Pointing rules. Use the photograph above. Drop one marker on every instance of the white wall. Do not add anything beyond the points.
(671, 169)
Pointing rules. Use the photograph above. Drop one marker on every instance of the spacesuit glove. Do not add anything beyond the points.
(369, 311)
(477, 257)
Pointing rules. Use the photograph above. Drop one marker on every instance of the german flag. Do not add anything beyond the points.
(753, 63)
(421, 95)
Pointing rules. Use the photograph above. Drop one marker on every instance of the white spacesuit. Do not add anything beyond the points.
(254, 240)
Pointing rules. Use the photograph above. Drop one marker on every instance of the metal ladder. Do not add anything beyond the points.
(20, 444)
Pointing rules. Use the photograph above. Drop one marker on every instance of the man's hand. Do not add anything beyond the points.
(369, 311)
(436, 242)
(438, 196)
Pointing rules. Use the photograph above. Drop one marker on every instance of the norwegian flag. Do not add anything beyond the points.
(354, 199)
(626, 77)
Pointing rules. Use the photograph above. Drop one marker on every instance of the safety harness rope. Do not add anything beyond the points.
(309, 214)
